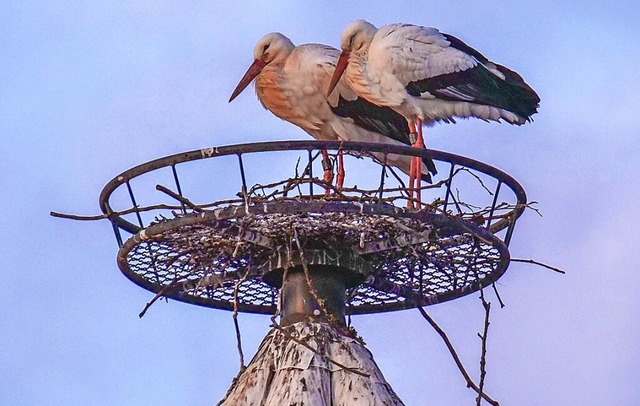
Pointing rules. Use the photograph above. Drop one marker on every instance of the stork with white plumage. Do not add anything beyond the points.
(428, 76)
(292, 81)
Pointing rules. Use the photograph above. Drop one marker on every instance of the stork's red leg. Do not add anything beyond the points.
(328, 170)
(413, 169)
(412, 182)
(418, 167)
(340, 179)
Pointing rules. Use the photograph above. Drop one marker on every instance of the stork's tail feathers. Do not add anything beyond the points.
(430, 166)
(523, 100)
(403, 162)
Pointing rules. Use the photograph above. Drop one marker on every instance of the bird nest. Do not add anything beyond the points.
(229, 253)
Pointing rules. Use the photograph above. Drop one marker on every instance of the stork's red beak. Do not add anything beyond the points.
(249, 75)
(343, 61)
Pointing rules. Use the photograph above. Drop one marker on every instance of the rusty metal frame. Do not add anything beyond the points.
(142, 232)
(240, 149)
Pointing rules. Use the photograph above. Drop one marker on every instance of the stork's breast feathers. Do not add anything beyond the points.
(270, 92)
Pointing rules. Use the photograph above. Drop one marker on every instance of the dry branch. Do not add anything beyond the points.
(179, 198)
(158, 296)
(483, 356)
(531, 261)
(456, 358)
(235, 317)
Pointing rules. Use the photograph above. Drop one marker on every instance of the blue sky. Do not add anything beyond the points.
(89, 90)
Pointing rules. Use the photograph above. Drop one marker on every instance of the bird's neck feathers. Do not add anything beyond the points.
(357, 68)
(270, 90)
(366, 81)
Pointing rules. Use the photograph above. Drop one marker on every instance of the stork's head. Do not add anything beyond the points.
(272, 48)
(355, 38)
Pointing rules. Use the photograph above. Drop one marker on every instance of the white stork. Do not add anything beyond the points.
(292, 82)
(428, 76)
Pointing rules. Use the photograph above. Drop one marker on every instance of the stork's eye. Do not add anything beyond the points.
(351, 40)
(265, 48)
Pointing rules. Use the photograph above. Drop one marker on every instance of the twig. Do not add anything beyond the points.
(495, 290)
(146, 208)
(456, 358)
(136, 209)
(478, 179)
(531, 261)
(78, 217)
(530, 206)
(170, 284)
(297, 175)
(159, 295)
(483, 356)
(235, 316)
(179, 198)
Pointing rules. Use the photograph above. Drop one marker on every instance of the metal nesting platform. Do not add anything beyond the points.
(218, 227)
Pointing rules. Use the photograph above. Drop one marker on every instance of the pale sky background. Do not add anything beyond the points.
(88, 90)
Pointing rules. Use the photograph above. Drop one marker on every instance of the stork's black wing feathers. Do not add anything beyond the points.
(460, 45)
(479, 85)
(371, 117)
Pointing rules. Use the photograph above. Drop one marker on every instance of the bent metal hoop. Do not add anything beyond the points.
(393, 258)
